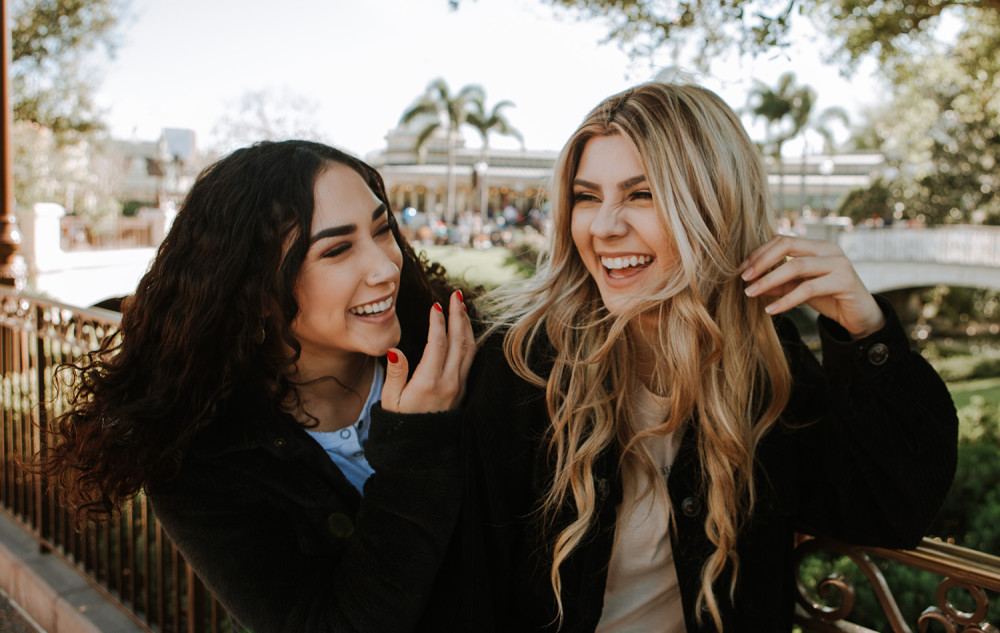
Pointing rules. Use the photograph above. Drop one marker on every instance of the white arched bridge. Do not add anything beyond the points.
(894, 258)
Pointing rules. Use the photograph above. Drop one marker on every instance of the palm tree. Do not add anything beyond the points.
(447, 109)
(485, 123)
(786, 109)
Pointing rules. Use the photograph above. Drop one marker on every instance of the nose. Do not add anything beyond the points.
(608, 222)
(383, 270)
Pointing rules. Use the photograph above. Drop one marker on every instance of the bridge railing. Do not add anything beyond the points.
(956, 245)
(129, 559)
(134, 564)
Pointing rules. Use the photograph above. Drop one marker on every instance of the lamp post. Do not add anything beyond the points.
(481, 170)
(11, 272)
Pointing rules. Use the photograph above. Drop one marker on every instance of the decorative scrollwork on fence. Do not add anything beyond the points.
(76, 330)
(874, 575)
(951, 618)
(972, 576)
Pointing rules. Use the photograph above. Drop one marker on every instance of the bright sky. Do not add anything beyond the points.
(185, 63)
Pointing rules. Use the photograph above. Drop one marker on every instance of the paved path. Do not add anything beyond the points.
(12, 620)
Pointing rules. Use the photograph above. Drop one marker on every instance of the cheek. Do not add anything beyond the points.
(580, 231)
(660, 241)
(397, 256)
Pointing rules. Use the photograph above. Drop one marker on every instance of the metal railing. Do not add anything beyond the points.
(129, 559)
(953, 245)
(133, 563)
(965, 594)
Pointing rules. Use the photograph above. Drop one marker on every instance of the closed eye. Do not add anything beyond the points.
(383, 229)
(583, 196)
(642, 194)
(337, 250)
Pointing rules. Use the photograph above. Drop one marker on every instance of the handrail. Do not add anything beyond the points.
(128, 558)
(973, 572)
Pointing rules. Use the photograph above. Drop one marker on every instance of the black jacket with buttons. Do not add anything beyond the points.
(865, 453)
(286, 543)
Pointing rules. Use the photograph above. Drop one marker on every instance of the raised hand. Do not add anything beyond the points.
(815, 272)
(438, 382)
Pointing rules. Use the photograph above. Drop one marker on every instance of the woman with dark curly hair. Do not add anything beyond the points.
(242, 392)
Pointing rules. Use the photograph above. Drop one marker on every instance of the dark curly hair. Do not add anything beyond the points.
(206, 334)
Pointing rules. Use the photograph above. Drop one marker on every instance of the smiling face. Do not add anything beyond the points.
(349, 280)
(615, 224)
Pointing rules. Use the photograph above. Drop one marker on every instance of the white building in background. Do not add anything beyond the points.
(159, 172)
(516, 177)
(817, 184)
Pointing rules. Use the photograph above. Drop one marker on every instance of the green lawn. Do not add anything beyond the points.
(488, 267)
(962, 391)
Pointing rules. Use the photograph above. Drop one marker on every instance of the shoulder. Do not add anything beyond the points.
(232, 451)
(500, 393)
(493, 363)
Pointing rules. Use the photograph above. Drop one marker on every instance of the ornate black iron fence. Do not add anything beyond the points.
(128, 559)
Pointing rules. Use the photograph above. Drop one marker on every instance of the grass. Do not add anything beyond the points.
(963, 391)
(489, 268)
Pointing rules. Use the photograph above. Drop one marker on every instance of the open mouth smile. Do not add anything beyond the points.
(372, 309)
(625, 265)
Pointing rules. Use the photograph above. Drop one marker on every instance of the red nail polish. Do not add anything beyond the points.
(392, 356)
(460, 296)
(437, 306)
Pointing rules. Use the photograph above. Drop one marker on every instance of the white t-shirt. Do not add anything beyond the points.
(642, 593)
(346, 447)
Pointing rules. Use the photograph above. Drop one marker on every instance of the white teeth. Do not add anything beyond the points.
(617, 263)
(373, 308)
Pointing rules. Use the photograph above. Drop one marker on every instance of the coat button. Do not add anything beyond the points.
(690, 507)
(279, 442)
(878, 354)
(340, 525)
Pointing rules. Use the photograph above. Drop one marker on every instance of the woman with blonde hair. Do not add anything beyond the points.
(650, 429)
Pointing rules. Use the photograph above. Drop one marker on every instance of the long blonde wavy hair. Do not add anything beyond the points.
(718, 356)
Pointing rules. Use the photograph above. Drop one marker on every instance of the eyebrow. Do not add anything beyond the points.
(624, 185)
(346, 229)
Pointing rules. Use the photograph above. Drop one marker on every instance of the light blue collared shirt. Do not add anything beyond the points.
(346, 447)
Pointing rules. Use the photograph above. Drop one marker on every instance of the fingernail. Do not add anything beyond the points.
(747, 274)
(751, 290)
(769, 308)
(744, 264)
(437, 306)
(392, 356)
(460, 296)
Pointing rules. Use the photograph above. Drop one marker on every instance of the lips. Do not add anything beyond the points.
(372, 309)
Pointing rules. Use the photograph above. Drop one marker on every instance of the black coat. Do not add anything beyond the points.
(865, 453)
(286, 543)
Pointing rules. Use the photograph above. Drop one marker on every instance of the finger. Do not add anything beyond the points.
(800, 294)
(470, 348)
(790, 271)
(757, 261)
(780, 248)
(395, 379)
(458, 341)
(435, 350)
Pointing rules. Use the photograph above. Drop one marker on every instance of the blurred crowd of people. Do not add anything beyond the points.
(470, 229)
